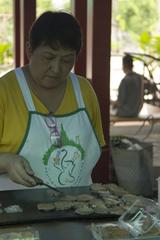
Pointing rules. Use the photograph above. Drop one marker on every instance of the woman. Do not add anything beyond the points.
(50, 124)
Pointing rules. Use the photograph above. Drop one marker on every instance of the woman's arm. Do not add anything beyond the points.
(18, 169)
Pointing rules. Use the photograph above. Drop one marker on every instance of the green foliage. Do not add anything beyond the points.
(6, 6)
(135, 16)
(51, 5)
(150, 43)
(6, 36)
(43, 6)
(6, 53)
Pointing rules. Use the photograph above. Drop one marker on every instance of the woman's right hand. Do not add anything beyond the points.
(18, 169)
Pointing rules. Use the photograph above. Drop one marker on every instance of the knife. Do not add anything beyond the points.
(40, 182)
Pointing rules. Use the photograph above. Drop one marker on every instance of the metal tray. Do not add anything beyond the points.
(28, 200)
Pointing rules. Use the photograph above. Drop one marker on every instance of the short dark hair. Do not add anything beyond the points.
(128, 61)
(53, 28)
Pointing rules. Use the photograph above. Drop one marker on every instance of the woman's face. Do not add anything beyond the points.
(49, 67)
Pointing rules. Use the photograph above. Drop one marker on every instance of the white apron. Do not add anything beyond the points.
(62, 149)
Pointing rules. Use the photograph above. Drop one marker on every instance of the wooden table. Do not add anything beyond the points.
(149, 113)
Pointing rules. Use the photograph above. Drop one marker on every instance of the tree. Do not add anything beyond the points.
(43, 5)
(6, 36)
(136, 16)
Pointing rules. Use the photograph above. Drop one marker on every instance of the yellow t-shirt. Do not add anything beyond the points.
(14, 113)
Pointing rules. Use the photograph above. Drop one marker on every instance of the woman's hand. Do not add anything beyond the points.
(19, 170)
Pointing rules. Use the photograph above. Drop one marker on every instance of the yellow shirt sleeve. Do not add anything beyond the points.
(92, 105)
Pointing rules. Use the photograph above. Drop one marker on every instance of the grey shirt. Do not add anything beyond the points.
(130, 95)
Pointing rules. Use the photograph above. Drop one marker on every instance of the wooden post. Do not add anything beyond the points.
(28, 15)
(24, 15)
(80, 12)
(16, 10)
(101, 76)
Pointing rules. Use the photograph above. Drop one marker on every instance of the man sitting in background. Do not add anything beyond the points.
(130, 91)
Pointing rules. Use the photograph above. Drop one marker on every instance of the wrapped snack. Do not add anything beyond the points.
(13, 209)
(46, 206)
(84, 210)
(96, 187)
(26, 233)
(142, 218)
(141, 222)
(108, 231)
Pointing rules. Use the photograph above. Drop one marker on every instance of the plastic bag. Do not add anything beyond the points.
(133, 164)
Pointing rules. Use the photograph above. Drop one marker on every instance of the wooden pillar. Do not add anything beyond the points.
(80, 12)
(24, 15)
(16, 9)
(101, 75)
(28, 15)
(94, 63)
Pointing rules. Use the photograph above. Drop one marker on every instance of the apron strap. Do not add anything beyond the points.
(27, 95)
(77, 90)
(25, 89)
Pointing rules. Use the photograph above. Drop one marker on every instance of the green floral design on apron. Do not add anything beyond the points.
(62, 159)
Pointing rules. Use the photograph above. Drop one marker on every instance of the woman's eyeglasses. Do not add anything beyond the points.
(55, 138)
